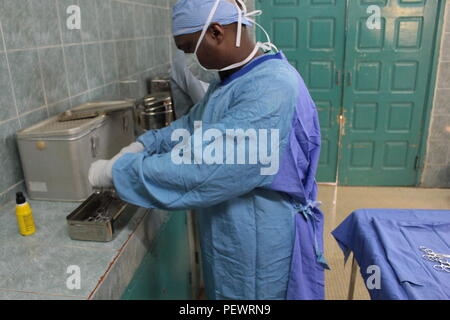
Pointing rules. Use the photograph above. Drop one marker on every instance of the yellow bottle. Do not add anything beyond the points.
(24, 216)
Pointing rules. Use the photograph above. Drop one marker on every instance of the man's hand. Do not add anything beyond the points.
(100, 173)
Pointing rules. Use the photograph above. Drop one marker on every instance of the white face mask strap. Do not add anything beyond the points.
(206, 26)
(241, 13)
(250, 57)
(268, 43)
(244, 7)
(254, 13)
(267, 46)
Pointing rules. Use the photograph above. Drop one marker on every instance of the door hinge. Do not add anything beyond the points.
(190, 277)
(417, 163)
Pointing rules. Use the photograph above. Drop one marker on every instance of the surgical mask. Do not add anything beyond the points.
(202, 74)
(266, 46)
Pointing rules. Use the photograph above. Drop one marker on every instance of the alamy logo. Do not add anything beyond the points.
(373, 282)
(227, 146)
(374, 20)
(73, 282)
(74, 19)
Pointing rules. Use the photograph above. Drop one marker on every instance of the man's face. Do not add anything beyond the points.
(210, 52)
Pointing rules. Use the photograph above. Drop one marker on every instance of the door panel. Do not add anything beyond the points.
(385, 92)
(385, 87)
(311, 33)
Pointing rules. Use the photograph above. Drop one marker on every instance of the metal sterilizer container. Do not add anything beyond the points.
(56, 155)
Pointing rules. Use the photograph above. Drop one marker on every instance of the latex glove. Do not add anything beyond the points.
(100, 173)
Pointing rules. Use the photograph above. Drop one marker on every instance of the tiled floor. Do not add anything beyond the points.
(339, 202)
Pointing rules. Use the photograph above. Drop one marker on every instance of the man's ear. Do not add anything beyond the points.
(217, 32)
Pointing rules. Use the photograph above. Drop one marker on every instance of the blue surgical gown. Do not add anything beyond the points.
(247, 228)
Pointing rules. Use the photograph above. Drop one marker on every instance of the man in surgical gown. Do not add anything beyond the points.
(261, 234)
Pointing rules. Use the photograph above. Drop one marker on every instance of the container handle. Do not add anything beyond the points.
(125, 124)
(94, 146)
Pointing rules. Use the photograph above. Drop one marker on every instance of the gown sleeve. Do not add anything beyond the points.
(159, 141)
(156, 181)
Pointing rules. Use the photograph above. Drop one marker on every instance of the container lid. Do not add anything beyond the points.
(163, 107)
(56, 129)
(104, 106)
(157, 98)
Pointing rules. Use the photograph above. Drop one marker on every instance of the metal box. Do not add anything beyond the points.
(56, 156)
(84, 224)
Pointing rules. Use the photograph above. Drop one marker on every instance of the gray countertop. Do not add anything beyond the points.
(36, 266)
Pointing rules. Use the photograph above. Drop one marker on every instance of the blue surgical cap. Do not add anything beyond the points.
(189, 16)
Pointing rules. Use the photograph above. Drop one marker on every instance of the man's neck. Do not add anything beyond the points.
(225, 74)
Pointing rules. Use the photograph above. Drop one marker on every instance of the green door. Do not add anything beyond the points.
(386, 91)
(312, 36)
(385, 84)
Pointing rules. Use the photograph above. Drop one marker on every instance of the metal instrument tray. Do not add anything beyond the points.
(100, 218)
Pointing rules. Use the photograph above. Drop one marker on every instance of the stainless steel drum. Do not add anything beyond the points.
(156, 111)
(156, 120)
(158, 100)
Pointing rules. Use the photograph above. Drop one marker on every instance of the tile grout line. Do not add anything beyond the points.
(143, 4)
(63, 51)
(72, 44)
(41, 293)
(11, 187)
(10, 75)
(100, 46)
(84, 57)
(116, 63)
(120, 78)
(102, 64)
(42, 81)
(133, 14)
(31, 111)
(3, 205)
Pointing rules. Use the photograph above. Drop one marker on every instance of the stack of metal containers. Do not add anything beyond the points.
(156, 110)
